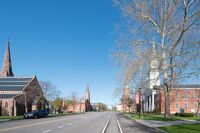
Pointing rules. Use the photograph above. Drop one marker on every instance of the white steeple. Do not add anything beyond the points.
(154, 68)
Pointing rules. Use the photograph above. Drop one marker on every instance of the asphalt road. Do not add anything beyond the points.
(84, 123)
(94, 122)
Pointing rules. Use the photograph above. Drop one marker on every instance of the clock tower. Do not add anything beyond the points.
(154, 70)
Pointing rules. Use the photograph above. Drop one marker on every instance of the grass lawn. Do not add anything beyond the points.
(185, 128)
(158, 117)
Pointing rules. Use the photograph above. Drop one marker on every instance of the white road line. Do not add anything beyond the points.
(61, 126)
(69, 124)
(120, 129)
(104, 129)
(47, 131)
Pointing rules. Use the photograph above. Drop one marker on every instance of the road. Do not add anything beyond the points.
(96, 122)
(84, 123)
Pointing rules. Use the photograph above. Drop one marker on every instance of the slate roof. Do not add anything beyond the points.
(187, 86)
(13, 83)
(7, 96)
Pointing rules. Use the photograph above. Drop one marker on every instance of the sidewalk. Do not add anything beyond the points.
(3, 120)
(132, 126)
(152, 123)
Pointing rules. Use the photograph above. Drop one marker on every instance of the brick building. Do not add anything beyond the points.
(17, 94)
(123, 106)
(83, 105)
(184, 98)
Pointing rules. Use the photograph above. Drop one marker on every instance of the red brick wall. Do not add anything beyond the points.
(185, 96)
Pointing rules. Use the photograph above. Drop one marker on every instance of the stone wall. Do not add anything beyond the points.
(31, 92)
(7, 107)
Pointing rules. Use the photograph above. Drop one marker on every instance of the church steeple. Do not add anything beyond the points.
(87, 93)
(7, 64)
(154, 67)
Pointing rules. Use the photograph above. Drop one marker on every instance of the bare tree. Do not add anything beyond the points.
(74, 99)
(128, 102)
(175, 26)
(197, 96)
(50, 91)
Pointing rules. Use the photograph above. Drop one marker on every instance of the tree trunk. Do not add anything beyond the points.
(197, 110)
(167, 101)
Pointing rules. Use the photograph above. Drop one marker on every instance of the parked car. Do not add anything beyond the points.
(36, 114)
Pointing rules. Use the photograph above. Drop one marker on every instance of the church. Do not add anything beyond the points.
(84, 105)
(124, 101)
(18, 94)
(183, 97)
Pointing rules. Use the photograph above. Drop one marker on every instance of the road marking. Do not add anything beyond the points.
(47, 131)
(61, 126)
(104, 129)
(120, 129)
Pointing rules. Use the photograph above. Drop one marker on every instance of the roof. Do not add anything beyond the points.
(187, 86)
(13, 83)
(7, 96)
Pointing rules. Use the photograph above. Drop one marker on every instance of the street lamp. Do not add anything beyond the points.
(139, 90)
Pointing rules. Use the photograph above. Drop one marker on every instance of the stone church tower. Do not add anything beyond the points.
(7, 64)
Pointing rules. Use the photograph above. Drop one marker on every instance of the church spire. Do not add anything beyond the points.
(7, 64)
(154, 46)
(87, 93)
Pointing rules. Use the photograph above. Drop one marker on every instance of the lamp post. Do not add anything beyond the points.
(139, 90)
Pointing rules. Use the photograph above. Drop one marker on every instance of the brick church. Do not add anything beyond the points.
(84, 105)
(18, 94)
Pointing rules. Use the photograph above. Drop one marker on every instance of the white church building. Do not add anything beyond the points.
(149, 94)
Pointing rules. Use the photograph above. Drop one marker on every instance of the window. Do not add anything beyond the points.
(177, 95)
(177, 106)
(186, 105)
(196, 105)
(185, 96)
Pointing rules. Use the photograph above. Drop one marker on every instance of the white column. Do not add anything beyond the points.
(150, 103)
(153, 101)
(146, 104)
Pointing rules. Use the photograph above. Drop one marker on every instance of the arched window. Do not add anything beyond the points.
(6, 104)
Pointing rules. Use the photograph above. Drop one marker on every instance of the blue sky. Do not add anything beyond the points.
(67, 42)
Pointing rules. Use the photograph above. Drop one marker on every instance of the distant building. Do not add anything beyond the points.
(123, 106)
(83, 105)
(18, 94)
